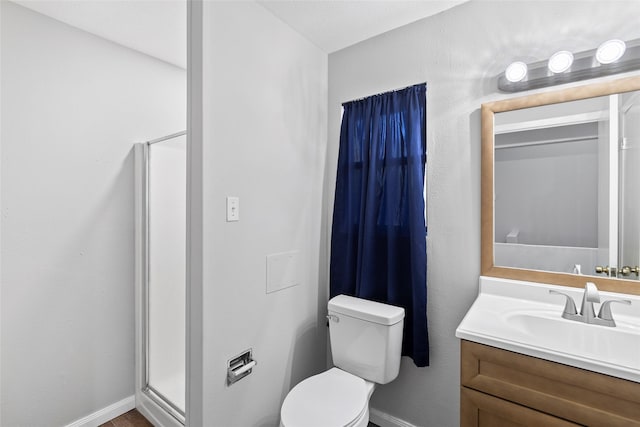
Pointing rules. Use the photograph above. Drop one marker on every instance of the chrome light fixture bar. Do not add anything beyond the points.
(612, 57)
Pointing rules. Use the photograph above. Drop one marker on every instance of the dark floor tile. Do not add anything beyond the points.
(132, 418)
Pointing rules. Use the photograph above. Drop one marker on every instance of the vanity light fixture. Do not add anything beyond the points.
(611, 57)
(610, 51)
(516, 71)
(560, 61)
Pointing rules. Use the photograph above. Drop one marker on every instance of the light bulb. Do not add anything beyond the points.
(610, 51)
(560, 61)
(516, 71)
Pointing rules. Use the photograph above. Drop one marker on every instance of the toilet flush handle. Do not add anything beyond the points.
(333, 318)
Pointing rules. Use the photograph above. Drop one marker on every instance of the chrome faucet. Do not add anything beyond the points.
(590, 296)
(587, 311)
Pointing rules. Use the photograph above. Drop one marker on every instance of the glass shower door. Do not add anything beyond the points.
(166, 271)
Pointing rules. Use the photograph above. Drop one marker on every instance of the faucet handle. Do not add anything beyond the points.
(569, 306)
(605, 308)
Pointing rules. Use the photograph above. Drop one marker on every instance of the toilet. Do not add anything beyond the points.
(366, 341)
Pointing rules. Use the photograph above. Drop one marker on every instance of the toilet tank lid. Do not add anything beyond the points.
(384, 314)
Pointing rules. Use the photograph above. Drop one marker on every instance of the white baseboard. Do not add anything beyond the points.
(106, 414)
(383, 419)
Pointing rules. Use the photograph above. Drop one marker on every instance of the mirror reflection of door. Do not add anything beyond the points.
(629, 235)
(609, 190)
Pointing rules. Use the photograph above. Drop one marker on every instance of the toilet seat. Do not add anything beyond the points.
(334, 398)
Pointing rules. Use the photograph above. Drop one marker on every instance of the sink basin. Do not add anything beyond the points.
(523, 317)
(619, 345)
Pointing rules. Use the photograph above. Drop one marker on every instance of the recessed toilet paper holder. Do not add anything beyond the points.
(240, 366)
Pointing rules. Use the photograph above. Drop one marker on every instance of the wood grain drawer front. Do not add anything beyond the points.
(581, 396)
(482, 410)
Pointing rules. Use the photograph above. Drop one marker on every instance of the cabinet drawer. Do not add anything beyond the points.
(482, 410)
(574, 394)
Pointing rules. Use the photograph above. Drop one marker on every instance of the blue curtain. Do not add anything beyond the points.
(378, 241)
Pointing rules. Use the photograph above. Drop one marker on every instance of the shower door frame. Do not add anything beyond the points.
(151, 403)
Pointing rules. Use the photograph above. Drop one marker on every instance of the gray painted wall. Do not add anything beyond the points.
(457, 53)
(264, 141)
(73, 104)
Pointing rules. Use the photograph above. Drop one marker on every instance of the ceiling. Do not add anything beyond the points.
(334, 25)
(155, 27)
(158, 27)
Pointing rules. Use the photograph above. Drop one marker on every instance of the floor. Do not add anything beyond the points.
(132, 418)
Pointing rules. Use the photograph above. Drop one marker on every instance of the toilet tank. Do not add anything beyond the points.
(366, 337)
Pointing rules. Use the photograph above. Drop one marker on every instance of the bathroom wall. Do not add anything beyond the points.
(458, 53)
(264, 141)
(72, 106)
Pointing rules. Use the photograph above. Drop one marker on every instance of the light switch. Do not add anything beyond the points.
(233, 209)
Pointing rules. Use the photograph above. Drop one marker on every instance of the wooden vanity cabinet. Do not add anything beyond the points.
(500, 388)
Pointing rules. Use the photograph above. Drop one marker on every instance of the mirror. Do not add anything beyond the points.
(561, 186)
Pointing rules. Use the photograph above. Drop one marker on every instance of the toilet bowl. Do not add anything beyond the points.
(366, 340)
(334, 398)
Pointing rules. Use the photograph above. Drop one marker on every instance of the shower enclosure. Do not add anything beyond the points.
(160, 279)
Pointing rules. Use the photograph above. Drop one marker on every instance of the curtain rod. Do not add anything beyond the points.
(384, 93)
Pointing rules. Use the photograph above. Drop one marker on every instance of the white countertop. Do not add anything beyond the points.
(523, 317)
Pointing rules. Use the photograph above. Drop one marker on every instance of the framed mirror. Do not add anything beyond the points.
(561, 186)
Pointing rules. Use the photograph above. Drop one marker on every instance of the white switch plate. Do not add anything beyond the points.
(233, 209)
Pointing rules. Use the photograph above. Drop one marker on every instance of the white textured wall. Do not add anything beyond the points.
(264, 140)
(72, 106)
(458, 53)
